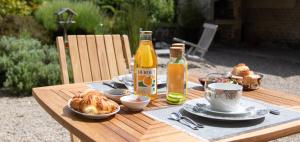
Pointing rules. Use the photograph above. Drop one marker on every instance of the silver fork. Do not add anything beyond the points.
(190, 120)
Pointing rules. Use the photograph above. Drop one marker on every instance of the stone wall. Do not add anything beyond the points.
(276, 20)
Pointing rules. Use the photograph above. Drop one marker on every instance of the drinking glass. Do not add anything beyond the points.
(128, 78)
(215, 78)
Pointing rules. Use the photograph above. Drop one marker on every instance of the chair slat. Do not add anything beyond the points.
(84, 58)
(102, 57)
(95, 57)
(62, 60)
(75, 59)
(94, 62)
(126, 50)
(119, 54)
(111, 56)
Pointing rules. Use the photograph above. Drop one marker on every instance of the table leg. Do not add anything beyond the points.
(74, 138)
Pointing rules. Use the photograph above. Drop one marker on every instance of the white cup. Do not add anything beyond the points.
(224, 96)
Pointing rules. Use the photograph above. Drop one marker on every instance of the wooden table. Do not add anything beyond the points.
(126, 126)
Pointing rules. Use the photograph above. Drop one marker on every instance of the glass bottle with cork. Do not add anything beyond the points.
(145, 67)
(176, 76)
(181, 45)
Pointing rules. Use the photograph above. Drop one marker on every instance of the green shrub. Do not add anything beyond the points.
(18, 7)
(27, 64)
(128, 16)
(87, 21)
(127, 23)
(159, 11)
(14, 25)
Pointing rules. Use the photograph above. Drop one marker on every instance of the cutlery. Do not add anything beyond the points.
(274, 112)
(190, 120)
(176, 117)
(110, 85)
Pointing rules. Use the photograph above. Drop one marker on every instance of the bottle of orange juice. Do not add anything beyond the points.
(145, 67)
(176, 76)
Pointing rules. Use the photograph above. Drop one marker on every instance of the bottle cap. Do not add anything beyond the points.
(176, 51)
(179, 45)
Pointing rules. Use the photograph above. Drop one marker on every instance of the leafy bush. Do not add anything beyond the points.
(127, 23)
(87, 21)
(128, 16)
(27, 64)
(159, 11)
(14, 25)
(18, 7)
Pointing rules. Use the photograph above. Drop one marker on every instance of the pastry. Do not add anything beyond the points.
(75, 103)
(93, 102)
(251, 81)
(244, 76)
(241, 70)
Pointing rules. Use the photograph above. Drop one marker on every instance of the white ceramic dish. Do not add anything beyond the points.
(115, 94)
(132, 103)
(90, 116)
(259, 112)
(240, 111)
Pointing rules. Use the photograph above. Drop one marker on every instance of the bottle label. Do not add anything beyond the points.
(146, 81)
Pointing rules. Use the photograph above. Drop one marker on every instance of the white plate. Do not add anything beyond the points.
(161, 79)
(241, 111)
(258, 112)
(91, 116)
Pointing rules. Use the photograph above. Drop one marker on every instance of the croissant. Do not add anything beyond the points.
(75, 103)
(93, 102)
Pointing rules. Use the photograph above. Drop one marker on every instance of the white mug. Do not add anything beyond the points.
(224, 96)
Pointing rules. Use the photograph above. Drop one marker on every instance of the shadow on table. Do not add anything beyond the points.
(225, 124)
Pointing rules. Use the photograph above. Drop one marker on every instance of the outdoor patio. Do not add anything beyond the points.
(39, 126)
(57, 58)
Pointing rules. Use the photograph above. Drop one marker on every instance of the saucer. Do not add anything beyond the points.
(240, 111)
(257, 112)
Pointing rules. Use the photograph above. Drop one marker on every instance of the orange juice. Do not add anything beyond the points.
(145, 67)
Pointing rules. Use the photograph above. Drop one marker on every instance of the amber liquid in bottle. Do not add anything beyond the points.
(176, 77)
(145, 67)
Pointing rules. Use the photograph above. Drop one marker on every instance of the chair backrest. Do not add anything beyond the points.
(207, 35)
(94, 57)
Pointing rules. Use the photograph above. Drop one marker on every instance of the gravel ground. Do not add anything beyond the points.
(22, 119)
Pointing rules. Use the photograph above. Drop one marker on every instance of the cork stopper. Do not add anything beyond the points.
(146, 32)
(179, 45)
(176, 51)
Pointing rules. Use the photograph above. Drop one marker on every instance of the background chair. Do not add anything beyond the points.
(93, 58)
(204, 42)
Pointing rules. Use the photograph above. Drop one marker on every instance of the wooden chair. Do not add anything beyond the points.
(202, 46)
(204, 41)
(93, 58)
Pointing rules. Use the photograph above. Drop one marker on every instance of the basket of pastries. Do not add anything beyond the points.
(242, 74)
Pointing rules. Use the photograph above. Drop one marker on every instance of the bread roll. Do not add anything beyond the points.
(241, 70)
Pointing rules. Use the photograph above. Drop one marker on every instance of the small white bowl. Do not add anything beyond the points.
(135, 103)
